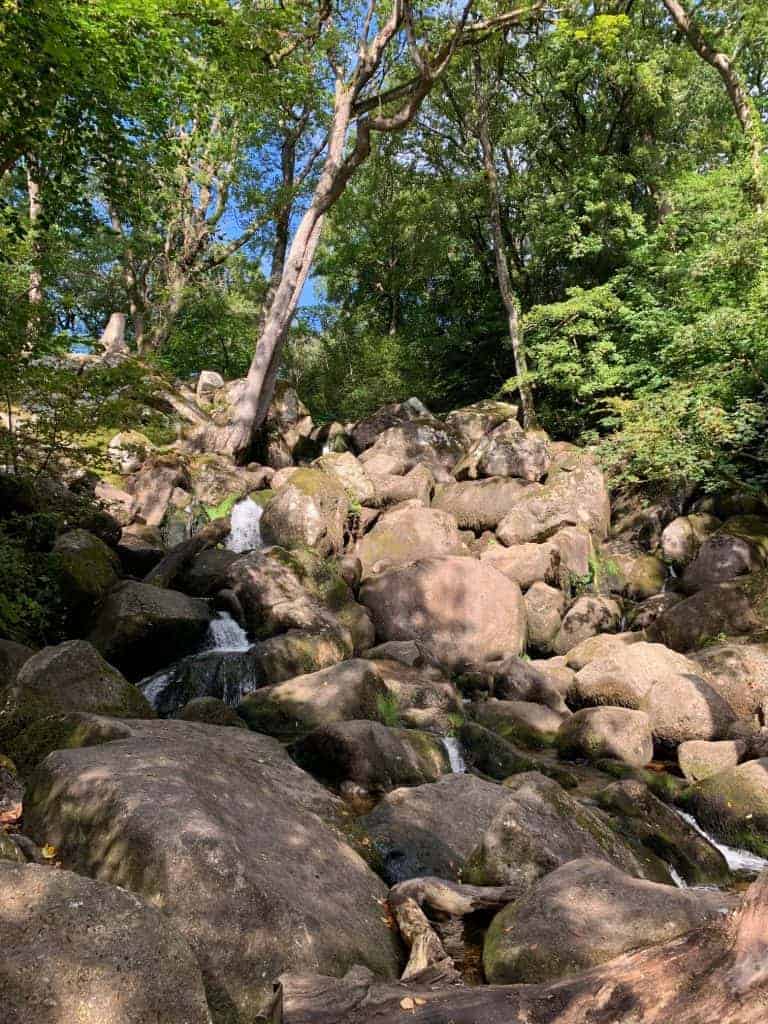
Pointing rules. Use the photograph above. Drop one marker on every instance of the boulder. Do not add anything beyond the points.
(601, 646)
(624, 676)
(506, 453)
(154, 484)
(352, 690)
(733, 805)
(586, 913)
(417, 442)
(431, 829)
(11, 792)
(728, 609)
(406, 533)
(242, 852)
(475, 421)
(81, 951)
(544, 610)
(640, 575)
(371, 755)
(739, 673)
(525, 564)
(298, 652)
(698, 759)
(364, 433)
(226, 675)
(140, 548)
(576, 550)
(479, 504)
(209, 382)
(12, 657)
(71, 676)
(752, 528)
(682, 538)
(664, 831)
(211, 711)
(616, 733)
(217, 480)
(488, 752)
(587, 616)
(720, 558)
(557, 672)
(685, 707)
(207, 573)
(88, 570)
(417, 697)
(351, 475)
(128, 450)
(308, 511)
(140, 628)
(642, 615)
(532, 725)
(514, 678)
(538, 828)
(461, 610)
(416, 485)
(116, 502)
(575, 494)
(287, 427)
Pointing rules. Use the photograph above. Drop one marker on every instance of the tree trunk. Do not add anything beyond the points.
(502, 265)
(112, 339)
(717, 974)
(35, 289)
(743, 105)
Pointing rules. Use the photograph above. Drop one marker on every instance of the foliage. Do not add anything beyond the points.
(31, 599)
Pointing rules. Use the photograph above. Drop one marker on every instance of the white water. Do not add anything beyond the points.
(678, 879)
(326, 449)
(226, 634)
(245, 529)
(738, 860)
(455, 757)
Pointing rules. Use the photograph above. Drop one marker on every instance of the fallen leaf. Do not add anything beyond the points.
(406, 1003)
(48, 851)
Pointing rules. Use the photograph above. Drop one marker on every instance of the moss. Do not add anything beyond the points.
(262, 497)
(223, 508)
(58, 732)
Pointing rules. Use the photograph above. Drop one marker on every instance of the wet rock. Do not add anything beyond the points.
(68, 677)
(584, 914)
(586, 617)
(225, 675)
(88, 571)
(79, 950)
(460, 609)
(532, 725)
(479, 504)
(431, 829)
(539, 828)
(229, 839)
(371, 755)
(140, 628)
(544, 610)
(406, 533)
(617, 733)
(698, 759)
(208, 573)
(733, 805)
(308, 511)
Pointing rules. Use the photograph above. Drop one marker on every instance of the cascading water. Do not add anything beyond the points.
(455, 756)
(226, 634)
(737, 860)
(245, 526)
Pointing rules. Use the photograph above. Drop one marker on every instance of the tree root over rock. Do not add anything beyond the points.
(712, 975)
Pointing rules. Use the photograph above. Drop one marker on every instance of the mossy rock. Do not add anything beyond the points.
(211, 711)
(88, 570)
(733, 805)
(61, 732)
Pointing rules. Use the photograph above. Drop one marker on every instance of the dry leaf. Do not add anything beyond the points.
(406, 1003)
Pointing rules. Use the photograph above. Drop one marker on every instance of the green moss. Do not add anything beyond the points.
(388, 710)
(223, 508)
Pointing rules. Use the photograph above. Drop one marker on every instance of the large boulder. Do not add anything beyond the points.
(308, 511)
(617, 733)
(371, 755)
(475, 421)
(462, 610)
(71, 676)
(525, 564)
(682, 538)
(720, 558)
(506, 453)
(351, 475)
(432, 829)
(739, 673)
(425, 441)
(352, 690)
(686, 707)
(623, 676)
(406, 533)
(365, 432)
(575, 494)
(698, 759)
(586, 913)
(128, 450)
(532, 725)
(587, 616)
(596, 647)
(242, 851)
(540, 827)
(417, 697)
(733, 804)
(417, 484)
(154, 485)
(730, 609)
(514, 679)
(75, 950)
(88, 571)
(140, 628)
(226, 675)
(140, 548)
(479, 504)
(544, 610)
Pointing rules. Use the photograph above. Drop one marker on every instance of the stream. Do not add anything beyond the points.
(245, 526)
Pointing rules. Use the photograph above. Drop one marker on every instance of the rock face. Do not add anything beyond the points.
(372, 756)
(308, 511)
(79, 950)
(479, 504)
(583, 914)
(538, 828)
(68, 677)
(460, 609)
(405, 533)
(240, 849)
(575, 494)
(616, 733)
(431, 829)
(89, 570)
(141, 628)
(734, 804)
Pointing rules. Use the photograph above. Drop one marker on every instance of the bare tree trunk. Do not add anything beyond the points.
(35, 289)
(742, 102)
(112, 339)
(502, 265)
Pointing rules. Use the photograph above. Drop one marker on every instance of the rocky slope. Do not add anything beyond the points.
(400, 698)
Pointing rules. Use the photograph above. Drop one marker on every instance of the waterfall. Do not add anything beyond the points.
(226, 634)
(245, 528)
(677, 878)
(327, 449)
(455, 756)
(738, 860)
